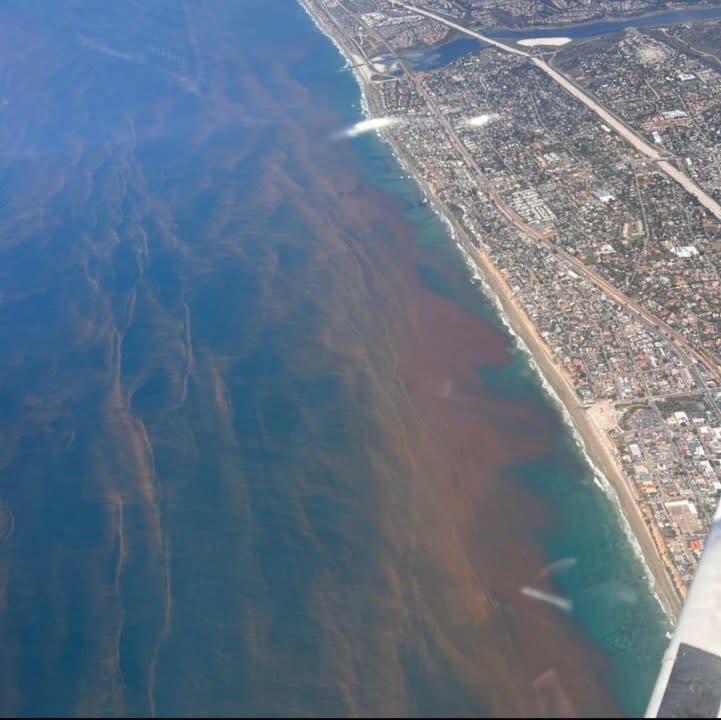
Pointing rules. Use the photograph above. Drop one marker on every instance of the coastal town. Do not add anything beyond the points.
(583, 179)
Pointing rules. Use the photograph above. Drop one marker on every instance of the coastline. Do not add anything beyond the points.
(593, 439)
(584, 421)
(630, 17)
(539, 42)
(355, 60)
(596, 443)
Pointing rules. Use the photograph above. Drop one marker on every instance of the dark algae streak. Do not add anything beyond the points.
(256, 455)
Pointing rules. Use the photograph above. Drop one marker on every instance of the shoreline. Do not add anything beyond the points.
(595, 444)
(630, 17)
(591, 438)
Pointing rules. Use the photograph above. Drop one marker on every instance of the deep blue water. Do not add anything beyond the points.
(268, 450)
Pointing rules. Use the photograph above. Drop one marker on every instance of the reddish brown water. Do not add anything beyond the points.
(252, 464)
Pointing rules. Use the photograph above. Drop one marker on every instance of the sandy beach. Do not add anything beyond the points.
(592, 424)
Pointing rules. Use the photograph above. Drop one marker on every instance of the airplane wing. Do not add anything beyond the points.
(689, 682)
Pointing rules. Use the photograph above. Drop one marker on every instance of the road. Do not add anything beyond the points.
(699, 355)
(633, 138)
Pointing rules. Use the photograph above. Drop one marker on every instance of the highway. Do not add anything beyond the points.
(699, 355)
(633, 138)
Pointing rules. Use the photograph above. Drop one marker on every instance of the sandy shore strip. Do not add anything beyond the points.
(597, 445)
(592, 424)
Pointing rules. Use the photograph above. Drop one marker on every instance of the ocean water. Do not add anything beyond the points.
(267, 449)
(594, 562)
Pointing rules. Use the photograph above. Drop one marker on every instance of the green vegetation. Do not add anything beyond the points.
(685, 403)
(628, 412)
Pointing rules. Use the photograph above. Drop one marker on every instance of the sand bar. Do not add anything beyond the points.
(553, 41)
(590, 423)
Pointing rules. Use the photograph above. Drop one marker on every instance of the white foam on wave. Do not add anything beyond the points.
(348, 63)
(368, 123)
(477, 275)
